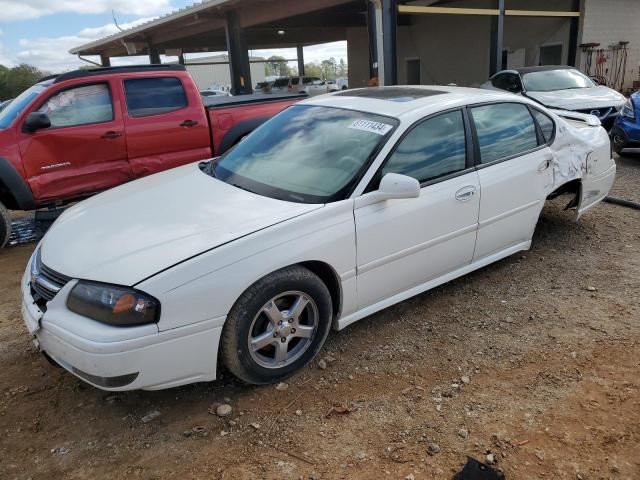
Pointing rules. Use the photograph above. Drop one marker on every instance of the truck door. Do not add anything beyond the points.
(84, 150)
(166, 124)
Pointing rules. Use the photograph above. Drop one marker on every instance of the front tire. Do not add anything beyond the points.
(277, 326)
(5, 225)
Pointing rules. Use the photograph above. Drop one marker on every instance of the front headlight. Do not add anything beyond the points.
(120, 306)
(628, 111)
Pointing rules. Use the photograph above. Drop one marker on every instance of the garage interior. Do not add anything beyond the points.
(396, 42)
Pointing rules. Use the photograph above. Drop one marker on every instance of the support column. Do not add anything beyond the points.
(239, 65)
(154, 55)
(388, 26)
(497, 39)
(105, 60)
(373, 39)
(300, 60)
(574, 28)
(181, 60)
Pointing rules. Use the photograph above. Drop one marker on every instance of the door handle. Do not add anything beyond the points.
(465, 193)
(189, 123)
(110, 135)
(544, 165)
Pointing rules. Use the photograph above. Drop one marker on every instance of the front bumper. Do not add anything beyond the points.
(117, 358)
(628, 132)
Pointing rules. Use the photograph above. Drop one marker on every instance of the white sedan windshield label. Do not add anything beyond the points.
(369, 126)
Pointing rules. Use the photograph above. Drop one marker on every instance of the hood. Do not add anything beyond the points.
(579, 98)
(134, 231)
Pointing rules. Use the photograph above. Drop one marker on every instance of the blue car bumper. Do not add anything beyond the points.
(626, 129)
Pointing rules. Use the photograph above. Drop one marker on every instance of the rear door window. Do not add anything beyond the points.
(546, 125)
(503, 130)
(154, 96)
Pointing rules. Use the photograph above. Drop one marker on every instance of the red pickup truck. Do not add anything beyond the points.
(82, 132)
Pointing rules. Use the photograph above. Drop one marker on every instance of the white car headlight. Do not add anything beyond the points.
(114, 305)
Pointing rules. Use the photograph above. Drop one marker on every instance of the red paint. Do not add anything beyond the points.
(65, 163)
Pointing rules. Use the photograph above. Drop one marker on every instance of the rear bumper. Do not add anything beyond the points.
(151, 362)
(596, 188)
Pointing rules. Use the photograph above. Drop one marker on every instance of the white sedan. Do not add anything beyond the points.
(566, 88)
(336, 208)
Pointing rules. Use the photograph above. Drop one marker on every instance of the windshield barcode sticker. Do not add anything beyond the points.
(369, 126)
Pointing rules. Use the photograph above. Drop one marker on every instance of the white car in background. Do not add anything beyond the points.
(311, 86)
(561, 87)
(214, 93)
(335, 208)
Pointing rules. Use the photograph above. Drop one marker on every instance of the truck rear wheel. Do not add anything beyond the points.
(5, 225)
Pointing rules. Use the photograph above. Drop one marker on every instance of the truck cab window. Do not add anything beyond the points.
(154, 96)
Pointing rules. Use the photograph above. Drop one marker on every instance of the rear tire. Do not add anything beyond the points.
(277, 326)
(5, 225)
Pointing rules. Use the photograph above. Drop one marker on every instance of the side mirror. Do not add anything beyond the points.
(37, 121)
(392, 186)
(514, 88)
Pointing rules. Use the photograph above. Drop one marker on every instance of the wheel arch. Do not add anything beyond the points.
(331, 279)
(571, 187)
(325, 272)
(238, 131)
(14, 192)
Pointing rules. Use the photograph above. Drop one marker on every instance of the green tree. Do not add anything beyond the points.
(343, 69)
(277, 65)
(329, 69)
(312, 70)
(13, 81)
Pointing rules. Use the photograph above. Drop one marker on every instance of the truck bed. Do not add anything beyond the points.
(226, 102)
(231, 118)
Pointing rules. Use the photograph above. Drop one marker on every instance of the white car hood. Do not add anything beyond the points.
(131, 232)
(579, 98)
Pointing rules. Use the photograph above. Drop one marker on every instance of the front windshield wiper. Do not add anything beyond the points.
(208, 167)
(241, 187)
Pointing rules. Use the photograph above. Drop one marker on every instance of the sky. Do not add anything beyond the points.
(41, 32)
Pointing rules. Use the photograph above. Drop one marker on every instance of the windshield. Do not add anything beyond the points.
(9, 114)
(549, 80)
(306, 154)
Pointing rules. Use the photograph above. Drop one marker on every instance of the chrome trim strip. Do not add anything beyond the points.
(521, 208)
(414, 249)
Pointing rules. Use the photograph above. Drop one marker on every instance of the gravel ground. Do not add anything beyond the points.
(533, 361)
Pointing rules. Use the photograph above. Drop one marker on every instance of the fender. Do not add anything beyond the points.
(16, 186)
(238, 131)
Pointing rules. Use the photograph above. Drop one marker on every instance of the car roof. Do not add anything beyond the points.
(57, 78)
(401, 101)
(541, 68)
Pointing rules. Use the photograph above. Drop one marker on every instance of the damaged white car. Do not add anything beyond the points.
(336, 208)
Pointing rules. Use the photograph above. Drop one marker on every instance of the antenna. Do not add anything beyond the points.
(113, 14)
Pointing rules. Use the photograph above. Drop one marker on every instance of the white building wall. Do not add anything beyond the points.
(456, 48)
(219, 76)
(609, 22)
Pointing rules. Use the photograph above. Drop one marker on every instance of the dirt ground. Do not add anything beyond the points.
(548, 343)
